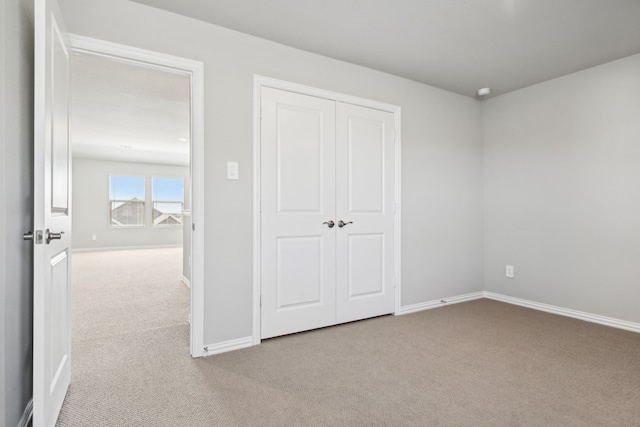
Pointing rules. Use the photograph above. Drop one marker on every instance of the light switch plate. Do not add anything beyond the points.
(232, 170)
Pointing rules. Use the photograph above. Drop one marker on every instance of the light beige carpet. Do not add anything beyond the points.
(481, 363)
(119, 292)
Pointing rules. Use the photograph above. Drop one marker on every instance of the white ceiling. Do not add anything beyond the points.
(129, 112)
(458, 45)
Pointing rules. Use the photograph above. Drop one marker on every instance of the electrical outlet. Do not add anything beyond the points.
(94, 237)
(509, 271)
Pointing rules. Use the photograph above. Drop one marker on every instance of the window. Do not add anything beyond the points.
(126, 201)
(167, 201)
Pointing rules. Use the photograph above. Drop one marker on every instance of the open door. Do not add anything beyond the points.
(52, 217)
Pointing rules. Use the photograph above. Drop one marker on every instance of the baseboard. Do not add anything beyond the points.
(186, 282)
(123, 248)
(230, 345)
(440, 302)
(25, 419)
(588, 317)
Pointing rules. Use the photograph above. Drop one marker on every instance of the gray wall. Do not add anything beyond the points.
(562, 191)
(442, 189)
(16, 210)
(91, 205)
(3, 210)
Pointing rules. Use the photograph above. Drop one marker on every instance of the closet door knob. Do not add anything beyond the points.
(341, 223)
(330, 223)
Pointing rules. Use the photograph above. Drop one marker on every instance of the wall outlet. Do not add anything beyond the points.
(509, 271)
(94, 237)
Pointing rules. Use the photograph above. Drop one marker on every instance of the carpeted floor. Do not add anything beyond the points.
(120, 292)
(480, 363)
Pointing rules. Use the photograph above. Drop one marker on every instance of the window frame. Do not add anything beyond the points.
(143, 201)
(154, 201)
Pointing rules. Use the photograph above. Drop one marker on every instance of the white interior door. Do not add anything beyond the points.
(365, 161)
(297, 202)
(52, 220)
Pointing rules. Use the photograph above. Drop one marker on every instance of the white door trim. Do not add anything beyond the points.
(196, 69)
(258, 83)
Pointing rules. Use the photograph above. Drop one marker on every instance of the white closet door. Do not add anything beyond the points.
(365, 195)
(298, 196)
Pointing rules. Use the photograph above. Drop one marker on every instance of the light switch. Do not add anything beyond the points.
(232, 170)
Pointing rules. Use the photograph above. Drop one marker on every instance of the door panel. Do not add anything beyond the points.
(297, 196)
(365, 194)
(52, 201)
(366, 162)
(58, 316)
(366, 265)
(299, 159)
(299, 276)
(60, 122)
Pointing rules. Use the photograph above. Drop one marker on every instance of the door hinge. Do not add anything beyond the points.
(193, 226)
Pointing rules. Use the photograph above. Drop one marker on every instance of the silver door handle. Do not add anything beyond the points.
(35, 236)
(341, 223)
(329, 223)
(53, 236)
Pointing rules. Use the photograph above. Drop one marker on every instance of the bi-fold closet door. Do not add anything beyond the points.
(327, 212)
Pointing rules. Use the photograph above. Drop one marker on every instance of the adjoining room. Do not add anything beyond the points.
(131, 198)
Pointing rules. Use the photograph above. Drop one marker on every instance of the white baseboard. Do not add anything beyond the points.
(588, 317)
(25, 419)
(230, 345)
(186, 282)
(440, 302)
(123, 248)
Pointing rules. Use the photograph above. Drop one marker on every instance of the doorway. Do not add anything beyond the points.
(137, 136)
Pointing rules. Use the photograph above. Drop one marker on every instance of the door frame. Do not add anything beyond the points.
(196, 70)
(258, 83)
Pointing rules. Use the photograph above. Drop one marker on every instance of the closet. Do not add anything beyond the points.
(327, 212)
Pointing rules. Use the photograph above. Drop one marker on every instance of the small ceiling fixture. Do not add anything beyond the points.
(126, 147)
(182, 139)
(484, 91)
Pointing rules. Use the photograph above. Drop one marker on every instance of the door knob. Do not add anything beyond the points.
(35, 236)
(329, 223)
(53, 236)
(341, 223)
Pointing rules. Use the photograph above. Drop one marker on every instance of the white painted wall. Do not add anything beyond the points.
(562, 191)
(441, 154)
(16, 210)
(91, 205)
